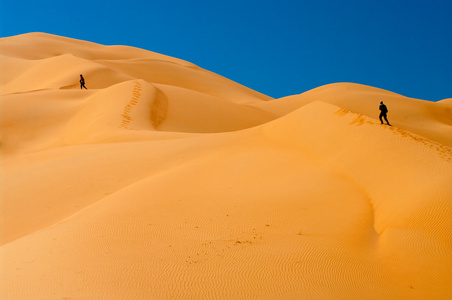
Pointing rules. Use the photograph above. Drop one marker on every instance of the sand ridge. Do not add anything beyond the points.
(159, 184)
(432, 120)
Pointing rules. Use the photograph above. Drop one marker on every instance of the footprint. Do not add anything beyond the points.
(136, 94)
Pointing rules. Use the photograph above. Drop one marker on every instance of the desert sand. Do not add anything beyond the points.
(166, 181)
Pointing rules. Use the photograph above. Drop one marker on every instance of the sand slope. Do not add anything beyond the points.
(166, 181)
(432, 120)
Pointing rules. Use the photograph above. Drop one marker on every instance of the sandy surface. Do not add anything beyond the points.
(167, 181)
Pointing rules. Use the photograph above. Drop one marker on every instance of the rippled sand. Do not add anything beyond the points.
(166, 181)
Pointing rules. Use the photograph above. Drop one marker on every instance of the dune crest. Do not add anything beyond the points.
(167, 181)
(432, 120)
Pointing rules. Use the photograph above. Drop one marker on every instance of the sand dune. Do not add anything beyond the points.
(166, 181)
(432, 120)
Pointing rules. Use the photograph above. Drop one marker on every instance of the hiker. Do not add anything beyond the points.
(82, 82)
(384, 111)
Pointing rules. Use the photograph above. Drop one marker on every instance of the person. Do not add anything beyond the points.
(82, 82)
(383, 113)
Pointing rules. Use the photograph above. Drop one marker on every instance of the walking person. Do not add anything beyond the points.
(82, 82)
(383, 113)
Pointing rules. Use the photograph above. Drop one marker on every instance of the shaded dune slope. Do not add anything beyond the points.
(166, 181)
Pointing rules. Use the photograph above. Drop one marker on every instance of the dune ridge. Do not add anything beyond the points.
(166, 181)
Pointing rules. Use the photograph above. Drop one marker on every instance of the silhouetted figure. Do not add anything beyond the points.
(384, 111)
(82, 82)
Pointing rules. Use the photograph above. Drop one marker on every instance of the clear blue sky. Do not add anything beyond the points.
(277, 47)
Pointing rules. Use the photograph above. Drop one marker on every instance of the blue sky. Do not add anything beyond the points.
(277, 47)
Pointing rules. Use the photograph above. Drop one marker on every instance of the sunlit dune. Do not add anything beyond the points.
(163, 180)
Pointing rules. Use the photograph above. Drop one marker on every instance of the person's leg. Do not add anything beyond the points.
(381, 120)
(386, 118)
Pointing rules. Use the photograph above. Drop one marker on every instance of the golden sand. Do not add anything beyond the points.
(167, 181)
